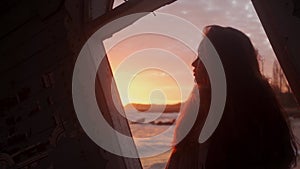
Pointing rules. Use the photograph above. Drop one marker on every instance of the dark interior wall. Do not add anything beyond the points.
(40, 42)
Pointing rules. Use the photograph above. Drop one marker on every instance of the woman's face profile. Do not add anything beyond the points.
(196, 70)
(200, 73)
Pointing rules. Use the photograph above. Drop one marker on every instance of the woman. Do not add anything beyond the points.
(253, 132)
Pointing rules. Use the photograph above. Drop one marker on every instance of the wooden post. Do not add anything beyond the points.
(282, 27)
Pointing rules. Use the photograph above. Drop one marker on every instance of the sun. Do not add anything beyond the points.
(154, 86)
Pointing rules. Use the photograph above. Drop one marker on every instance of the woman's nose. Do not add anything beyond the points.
(195, 63)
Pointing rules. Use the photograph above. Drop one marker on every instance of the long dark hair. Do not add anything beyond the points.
(254, 130)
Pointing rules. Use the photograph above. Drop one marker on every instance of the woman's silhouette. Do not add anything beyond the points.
(253, 132)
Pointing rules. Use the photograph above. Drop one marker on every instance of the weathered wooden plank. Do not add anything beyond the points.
(32, 28)
(24, 11)
(127, 8)
(32, 47)
(15, 18)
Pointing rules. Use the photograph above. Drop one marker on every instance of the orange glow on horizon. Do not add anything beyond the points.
(138, 81)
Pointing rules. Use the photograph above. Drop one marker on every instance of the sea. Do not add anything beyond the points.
(152, 133)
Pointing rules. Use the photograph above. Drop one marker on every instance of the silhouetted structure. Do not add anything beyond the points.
(40, 41)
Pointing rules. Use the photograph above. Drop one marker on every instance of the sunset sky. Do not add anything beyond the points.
(134, 60)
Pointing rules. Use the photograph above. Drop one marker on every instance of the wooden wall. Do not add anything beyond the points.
(40, 42)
